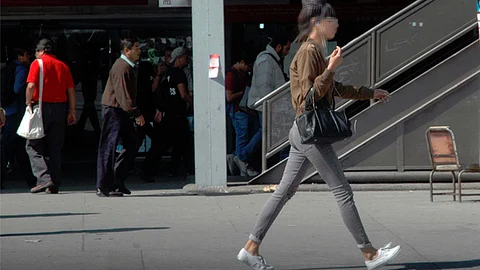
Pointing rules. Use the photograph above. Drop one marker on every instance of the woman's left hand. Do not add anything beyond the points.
(382, 95)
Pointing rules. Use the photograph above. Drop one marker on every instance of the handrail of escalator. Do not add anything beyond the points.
(271, 95)
(282, 88)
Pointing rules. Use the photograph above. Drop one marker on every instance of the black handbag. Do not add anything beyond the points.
(320, 123)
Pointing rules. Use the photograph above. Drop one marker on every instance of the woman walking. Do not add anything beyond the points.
(317, 23)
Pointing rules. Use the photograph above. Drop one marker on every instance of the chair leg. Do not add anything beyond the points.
(454, 186)
(431, 186)
(460, 186)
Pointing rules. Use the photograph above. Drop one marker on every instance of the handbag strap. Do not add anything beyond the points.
(311, 103)
(40, 64)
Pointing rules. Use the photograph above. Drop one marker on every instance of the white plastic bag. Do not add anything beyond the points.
(31, 127)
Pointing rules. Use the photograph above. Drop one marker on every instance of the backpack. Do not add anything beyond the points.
(242, 105)
(228, 105)
(245, 105)
(7, 84)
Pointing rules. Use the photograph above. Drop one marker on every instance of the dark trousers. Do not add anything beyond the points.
(13, 149)
(89, 112)
(172, 132)
(54, 122)
(143, 132)
(112, 170)
(247, 138)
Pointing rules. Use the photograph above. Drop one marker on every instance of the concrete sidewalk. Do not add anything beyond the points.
(159, 229)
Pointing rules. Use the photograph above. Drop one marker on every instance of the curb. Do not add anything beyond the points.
(256, 189)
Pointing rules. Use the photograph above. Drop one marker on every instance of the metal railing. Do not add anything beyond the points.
(384, 60)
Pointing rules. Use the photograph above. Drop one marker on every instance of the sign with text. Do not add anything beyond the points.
(174, 3)
(35, 3)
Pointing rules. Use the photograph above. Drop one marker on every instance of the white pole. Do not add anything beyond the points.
(209, 95)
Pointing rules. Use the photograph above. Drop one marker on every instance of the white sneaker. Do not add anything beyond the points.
(245, 168)
(255, 262)
(232, 166)
(384, 256)
(387, 245)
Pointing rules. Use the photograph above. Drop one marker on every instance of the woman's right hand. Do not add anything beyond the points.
(336, 59)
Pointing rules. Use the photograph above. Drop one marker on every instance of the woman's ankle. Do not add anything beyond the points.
(369, 253)
(252, 247)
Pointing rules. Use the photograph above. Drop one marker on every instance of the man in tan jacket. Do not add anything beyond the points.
(120, 114)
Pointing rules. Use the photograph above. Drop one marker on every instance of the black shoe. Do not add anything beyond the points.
(123, 190)
(109, 194)
(42, 187)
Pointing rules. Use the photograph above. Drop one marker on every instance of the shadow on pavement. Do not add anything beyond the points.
(414, 266)
(439, 265)
(95, 231)
(46, 215)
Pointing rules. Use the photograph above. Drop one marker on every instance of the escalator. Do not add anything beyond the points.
(426, 59)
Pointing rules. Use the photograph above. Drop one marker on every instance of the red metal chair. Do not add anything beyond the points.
(444, 158)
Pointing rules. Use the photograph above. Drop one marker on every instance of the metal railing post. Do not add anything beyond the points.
(264, 135)
(373, 62)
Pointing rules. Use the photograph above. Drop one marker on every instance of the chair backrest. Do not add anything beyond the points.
(441, 146)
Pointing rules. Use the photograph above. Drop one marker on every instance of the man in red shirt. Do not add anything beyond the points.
(236, 81)
(58, 88)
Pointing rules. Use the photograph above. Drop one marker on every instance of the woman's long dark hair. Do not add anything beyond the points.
(318, 9)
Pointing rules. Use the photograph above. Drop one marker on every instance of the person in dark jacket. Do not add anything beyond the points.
(172, 102)
(90, 69)
(12, 145)
(120, 113)
(146, 102)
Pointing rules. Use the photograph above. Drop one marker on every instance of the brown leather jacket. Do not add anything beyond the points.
(309, 68)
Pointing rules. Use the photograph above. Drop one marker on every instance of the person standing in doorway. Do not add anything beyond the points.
(90, 69)
(120, 114)
(243, 119)
(171, 124)
(267, 76)
(13, 98)
(58, 89)
(317, 23)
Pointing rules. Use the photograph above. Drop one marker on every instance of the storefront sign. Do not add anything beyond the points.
(174, 3)
(35, 3)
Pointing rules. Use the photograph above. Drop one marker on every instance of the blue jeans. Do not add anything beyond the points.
(248, 135)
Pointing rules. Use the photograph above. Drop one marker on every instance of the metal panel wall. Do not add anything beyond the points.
(460, 111)
(280, 119)
(420, 30)
(356, 66)
(380, 153)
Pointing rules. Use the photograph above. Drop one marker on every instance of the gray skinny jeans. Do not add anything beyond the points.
(326, 162)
